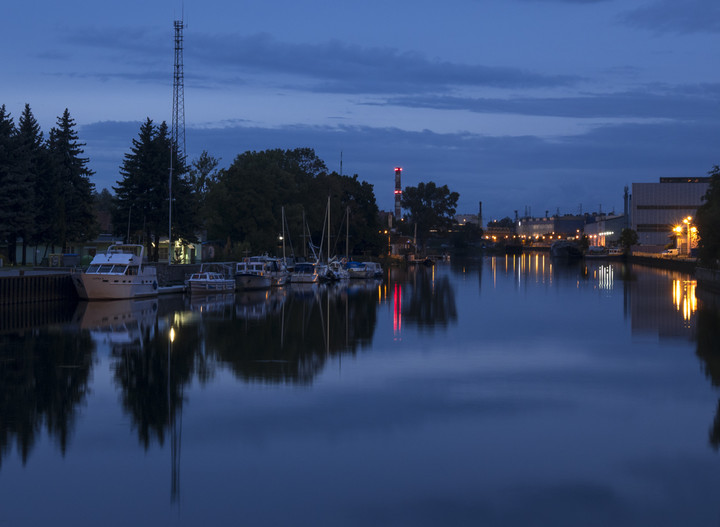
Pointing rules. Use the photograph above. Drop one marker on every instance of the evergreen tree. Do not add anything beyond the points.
(74, 211)
(7, 179)
(31, 151)
(142, 193)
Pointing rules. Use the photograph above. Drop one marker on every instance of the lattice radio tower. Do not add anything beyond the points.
(178, 111)
(177, 128)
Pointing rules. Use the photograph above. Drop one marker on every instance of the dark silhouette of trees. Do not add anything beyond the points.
(430, 208)
(707, 220)
(70, 177)
(142, 195)
(17, 210)
(244, 203)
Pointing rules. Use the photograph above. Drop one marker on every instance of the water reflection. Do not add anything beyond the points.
(662, 303)
(44, 376)
(158, 349)
(708, 351)
(423, 297)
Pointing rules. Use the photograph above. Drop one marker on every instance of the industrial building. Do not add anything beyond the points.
(663, 212)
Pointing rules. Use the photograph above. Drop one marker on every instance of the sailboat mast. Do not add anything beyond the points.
(283, 234)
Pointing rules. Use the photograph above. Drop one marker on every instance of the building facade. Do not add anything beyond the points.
(659, 209)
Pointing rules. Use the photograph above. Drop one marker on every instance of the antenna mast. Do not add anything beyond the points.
(177, 128)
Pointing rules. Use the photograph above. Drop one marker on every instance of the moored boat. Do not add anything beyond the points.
(565, 249)
(209, 282)
(251, 274)
(305, 273)
(117, 274)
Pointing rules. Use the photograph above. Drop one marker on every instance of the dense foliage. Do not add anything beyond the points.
(430, 207)
(628, 238)
(142, 195)
(708, 222)
(244, 203)
(46, 189)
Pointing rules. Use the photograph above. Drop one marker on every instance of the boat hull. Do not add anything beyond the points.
(248, 282)
(115, 287)
(211, 287)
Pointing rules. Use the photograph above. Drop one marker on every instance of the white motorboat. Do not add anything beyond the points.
(209, 282)
(119, 273)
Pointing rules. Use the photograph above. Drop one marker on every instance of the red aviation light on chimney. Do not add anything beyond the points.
(398, 192)
(398, 169)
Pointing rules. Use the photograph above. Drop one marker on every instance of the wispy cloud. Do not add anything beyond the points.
(672, 16)
(504, 172)
(696, 102)
(570, 1)
(337, 67)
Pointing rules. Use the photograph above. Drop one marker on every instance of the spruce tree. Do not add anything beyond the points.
(142, 193)
(74, 215)
(31, 155)
(7, 177)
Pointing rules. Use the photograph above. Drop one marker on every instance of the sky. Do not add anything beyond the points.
(523, 105)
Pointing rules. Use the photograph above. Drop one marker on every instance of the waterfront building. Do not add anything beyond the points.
(605, 229)
(659, 209)
(567, 226)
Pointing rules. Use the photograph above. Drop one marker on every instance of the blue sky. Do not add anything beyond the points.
(521, 104)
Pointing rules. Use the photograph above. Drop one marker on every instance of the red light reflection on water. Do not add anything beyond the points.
(397, 310)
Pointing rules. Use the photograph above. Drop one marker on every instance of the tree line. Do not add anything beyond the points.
(48, 198)
(240, 208)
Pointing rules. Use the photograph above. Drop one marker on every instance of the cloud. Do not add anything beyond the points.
(570, 1)
(671, 16)
(337, 67)
(505, 173)
(692, 102)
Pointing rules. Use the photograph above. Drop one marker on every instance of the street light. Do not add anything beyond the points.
(688, 221)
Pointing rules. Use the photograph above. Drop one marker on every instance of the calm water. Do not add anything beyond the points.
(508, 391)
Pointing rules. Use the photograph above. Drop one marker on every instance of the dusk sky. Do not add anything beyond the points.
(540, 104)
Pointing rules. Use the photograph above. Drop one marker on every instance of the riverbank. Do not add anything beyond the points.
(684, 265)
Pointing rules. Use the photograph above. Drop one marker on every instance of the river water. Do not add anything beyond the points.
(499, 391)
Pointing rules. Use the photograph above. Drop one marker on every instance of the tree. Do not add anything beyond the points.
(203, 172)
(32, 153)
(628, 238)
(73, 213)
(430, 207)
(142, 195)
(244, 203)
(7, 177)
(17, 210)
(708, 222)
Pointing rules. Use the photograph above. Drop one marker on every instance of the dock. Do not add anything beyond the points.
(21, 286)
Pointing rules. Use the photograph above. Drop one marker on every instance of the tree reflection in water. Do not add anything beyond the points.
(708, 350)
(431, 299)
(43, 382)
(297, 333)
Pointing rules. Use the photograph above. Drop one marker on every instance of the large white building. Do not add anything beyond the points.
(657, 208)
